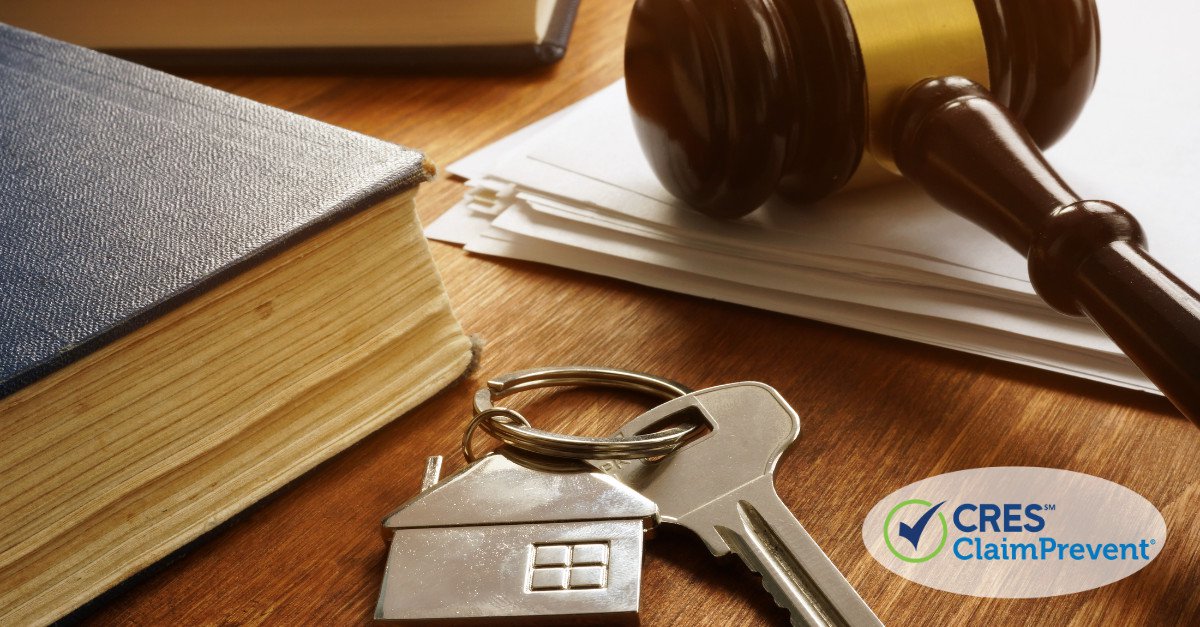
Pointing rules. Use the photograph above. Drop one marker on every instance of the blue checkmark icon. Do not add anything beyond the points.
(913, 532)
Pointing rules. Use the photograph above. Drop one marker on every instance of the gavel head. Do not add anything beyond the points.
(734, 100)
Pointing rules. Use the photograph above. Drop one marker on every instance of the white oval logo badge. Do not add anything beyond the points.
(1014, 532)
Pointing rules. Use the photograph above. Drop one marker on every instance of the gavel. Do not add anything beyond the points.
(736, 100)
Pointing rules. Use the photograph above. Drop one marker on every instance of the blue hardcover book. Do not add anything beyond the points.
(201, 297)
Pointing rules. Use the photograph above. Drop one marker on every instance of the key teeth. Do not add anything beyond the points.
(777, 595)
(768, 584)
(774, 590)
(749, 558)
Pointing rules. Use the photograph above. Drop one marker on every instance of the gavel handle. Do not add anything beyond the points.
(1085, 257)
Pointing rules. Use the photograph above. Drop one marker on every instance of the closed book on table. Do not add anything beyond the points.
(201, 298)
(310, 34)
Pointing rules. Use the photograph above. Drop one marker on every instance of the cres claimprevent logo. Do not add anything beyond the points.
(1014, 532)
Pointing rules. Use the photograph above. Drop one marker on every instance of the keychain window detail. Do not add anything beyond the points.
(568, 567)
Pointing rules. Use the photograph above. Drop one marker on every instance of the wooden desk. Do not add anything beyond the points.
(878, 413)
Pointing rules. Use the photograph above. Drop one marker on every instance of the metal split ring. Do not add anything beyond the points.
(510, 427)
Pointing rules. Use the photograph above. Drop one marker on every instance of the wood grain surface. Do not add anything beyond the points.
(878, 413)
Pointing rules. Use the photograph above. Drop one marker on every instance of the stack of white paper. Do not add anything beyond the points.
(575, 191)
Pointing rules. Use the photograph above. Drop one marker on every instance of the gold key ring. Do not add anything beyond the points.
(510, 427)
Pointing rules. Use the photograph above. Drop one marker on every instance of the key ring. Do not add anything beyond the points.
(510, 427)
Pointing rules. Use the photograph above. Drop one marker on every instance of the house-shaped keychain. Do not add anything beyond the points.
(509, 537)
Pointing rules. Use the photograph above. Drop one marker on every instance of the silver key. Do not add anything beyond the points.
(721, 486)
